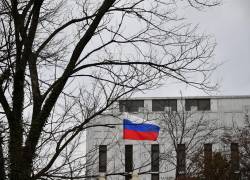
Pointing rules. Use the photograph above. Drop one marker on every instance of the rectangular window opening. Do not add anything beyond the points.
(204, 105)
(155, 152)
(128, 158)
(102, 158)
(160, 104)
(155, 177)
(130, 105)
(200, 104)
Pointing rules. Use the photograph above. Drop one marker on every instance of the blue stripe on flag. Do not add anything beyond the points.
(142, 127)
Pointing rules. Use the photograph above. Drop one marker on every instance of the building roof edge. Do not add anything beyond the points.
(190, 97)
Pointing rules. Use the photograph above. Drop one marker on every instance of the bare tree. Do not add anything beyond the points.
(192, 128)
(62, 63)
(239, 133)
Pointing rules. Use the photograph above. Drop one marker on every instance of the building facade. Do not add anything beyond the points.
(191, 121)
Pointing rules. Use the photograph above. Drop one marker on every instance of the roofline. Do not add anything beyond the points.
(190, 97)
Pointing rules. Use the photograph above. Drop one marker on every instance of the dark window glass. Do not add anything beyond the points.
(181, 159)
(155, 177)
(160, 104)
(189, 103)
(155, 151)
(102, 158)
(130, 105)
(201, 104)
(204, 104)
(173, 104)
(128, 158)
(128, 177)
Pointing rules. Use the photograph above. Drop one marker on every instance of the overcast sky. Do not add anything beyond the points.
(229, 23)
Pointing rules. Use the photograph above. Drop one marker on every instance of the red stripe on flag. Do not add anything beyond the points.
(136, 135)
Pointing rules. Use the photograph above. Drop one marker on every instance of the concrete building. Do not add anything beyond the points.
(109, 153)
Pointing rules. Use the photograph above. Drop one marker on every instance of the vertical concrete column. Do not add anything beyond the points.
(207, 160)
(148, 105)
(181, 162)
(235, 162)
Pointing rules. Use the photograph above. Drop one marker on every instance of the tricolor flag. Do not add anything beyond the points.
(140, 131)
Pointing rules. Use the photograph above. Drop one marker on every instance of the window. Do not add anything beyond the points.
(128, 161)
(204, 104)
(155, 177)
(155, 152)
(181, 159)
(201, 104)
(189, 103)
(128, 177)
(128, 158)
(160, 104)
(130, 105)
(155, 157)
(235, 157)
(102, 158)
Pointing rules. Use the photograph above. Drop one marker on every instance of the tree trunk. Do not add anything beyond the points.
(2, 169)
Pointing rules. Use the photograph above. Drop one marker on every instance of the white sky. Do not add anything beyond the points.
(229, 23)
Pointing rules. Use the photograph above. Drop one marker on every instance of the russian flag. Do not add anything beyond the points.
(140, 131)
